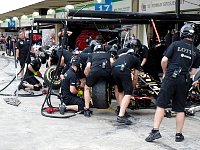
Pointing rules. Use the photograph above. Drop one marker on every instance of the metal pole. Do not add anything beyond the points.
(177, 8)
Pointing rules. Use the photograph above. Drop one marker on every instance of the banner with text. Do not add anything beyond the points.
(166, 5)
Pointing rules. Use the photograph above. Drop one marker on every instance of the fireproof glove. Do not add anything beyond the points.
(37, 73)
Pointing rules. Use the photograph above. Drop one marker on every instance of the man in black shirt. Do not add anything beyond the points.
(12, 43)
(22, 51)
(98, 67)
(70, 87)
(175, 36)
(90, 48)
(122, 69)
(2, 42)
(146, 59)
(61, 36)
(180, 60)
(29, 80)
(168, 38)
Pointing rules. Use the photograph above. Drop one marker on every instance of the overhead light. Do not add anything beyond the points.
(67, 7)
(51, 12)
(35, 14)
(24, 17)
(7, 20)
(15, 18)
(100, 1)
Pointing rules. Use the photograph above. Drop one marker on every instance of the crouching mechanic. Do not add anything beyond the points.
(29, 80)
(125, 64)
(98, 68)
(70, 88)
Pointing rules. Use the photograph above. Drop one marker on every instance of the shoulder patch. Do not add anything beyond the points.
(65, 75)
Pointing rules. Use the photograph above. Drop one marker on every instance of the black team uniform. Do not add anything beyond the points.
(69, 98)
(24, 47)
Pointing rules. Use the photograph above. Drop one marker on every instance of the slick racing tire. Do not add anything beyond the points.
(101, 95)
(48, 75)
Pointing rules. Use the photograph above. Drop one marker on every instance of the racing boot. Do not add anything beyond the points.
(62, 109)
(117, 112)
(124, 120)
(87, 112)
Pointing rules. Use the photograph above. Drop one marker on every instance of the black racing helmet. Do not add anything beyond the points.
(75, 61)
(188, 30)
(93, 43)
(99, 47)
(131, 52)
(114, 46)
(42, 57)
(135, 43)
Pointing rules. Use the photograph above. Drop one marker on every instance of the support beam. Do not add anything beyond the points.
(91, 21)
(177, 12)
(130, 15)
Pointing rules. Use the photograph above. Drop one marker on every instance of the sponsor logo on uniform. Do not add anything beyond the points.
(185, 56)
(186, 51)
(65, 75)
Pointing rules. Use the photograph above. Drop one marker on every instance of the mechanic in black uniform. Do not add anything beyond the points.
(147, 61)
(128, 46)
(180, 60)
(61, 36)
(70, 87)
(22, 51)
(175, 35)
(53, 57)
(122, 69)
(83, 61)
(29, 80)
(168, 38)
(87, 52)
(66, 57)
(66, 54)
(90, 48)
(98, 67)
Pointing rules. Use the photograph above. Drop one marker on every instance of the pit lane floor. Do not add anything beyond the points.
(24, 128)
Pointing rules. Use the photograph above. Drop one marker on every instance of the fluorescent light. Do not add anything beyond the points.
(67, 7)
(15, 18)
(7, 20)
(100, 1)
(35, 14)
(51, 12)
(24, 17)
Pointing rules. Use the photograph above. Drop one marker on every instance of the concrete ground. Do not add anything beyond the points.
(24, 128)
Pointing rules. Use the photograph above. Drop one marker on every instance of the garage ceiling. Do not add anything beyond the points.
(36, 7)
